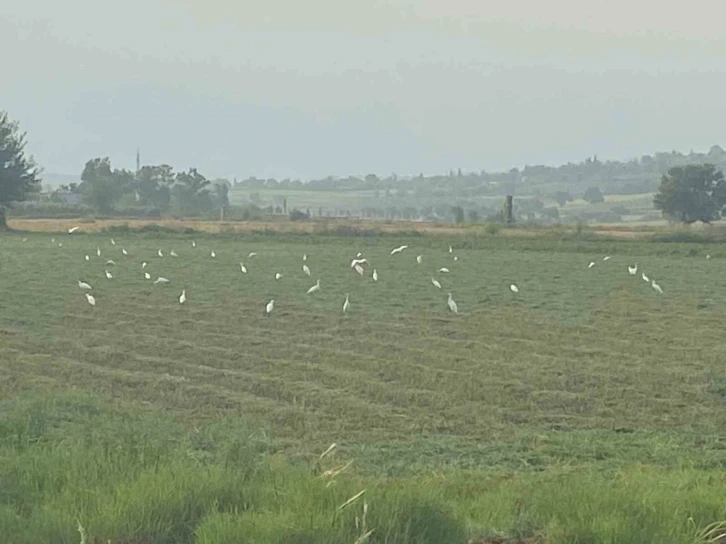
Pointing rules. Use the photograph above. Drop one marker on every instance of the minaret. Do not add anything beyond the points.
(138, 161)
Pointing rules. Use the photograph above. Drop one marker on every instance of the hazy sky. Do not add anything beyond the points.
(285, 88)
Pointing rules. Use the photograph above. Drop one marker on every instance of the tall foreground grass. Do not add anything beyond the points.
(72, 468)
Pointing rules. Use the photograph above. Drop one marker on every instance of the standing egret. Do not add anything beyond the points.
(306, 269)
(456, 257)
(314, 288)
(436, 283)
(645, 278)
(452, 305)
(592, 263)
(451, 249)
(160, 279)
(656, 287)
(74, 229)
(270, 306)
(83, 285)
(52, 240)
(213, 254)
(98, 251)
(108, 275)
(60, 244)
(88, 258)
(243, 268)
(123, 250)
(419, 258)
(147, 276)
(375, 275)
(633, 270)
(708, 256)
(278, 276)
(514, 288)
(113, 242)
(398, 250)
(305, 257)
(346, 304)
(606, 258)
(173, 253)
(143, 265)
(159, 253)
(359, 269)
(90, 298)
(194, 244)
(183, 296)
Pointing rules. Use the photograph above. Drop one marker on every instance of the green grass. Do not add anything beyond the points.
(587, 386)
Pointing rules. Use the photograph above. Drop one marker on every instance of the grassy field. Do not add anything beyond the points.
(586, 385)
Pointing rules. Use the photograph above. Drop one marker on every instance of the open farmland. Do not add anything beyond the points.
(582, 369)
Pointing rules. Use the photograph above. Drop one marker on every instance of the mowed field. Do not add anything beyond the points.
(582, 367)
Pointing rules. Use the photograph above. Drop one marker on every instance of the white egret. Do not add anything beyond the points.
(452, 305)
(60, 244)
(83, 285)
(25, 239)
(123, 250)
(194, 244)
(375, 275)
(606, 258)
(160, 279)
(357, 261)
(213, 254)
(436, 283)
(359, 269)
(98, 251)
(592, 263)
(708, 256)
(113, 242)
(419, 258)
(451, 249)
(314, 288)
(173, 253)
(443, 269)
(88, 258)
(252, 254)
(305, 256)
(183, 296)
(159, 253)
(456, 257)
(52, 240)
(633, 270)
(243, 268)
(111, 261)
(147, 276)
(91, 299)
(306, 269)
(656, 287)
(143, 265)
(74, 229)
(278, 276)
(346, 304)
(514, 288)
(270, 306)
(358, 255)
(108, 275)
(398, 250)
(645, 278)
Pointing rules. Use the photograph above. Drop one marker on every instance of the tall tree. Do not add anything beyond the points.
(153, 185)
(692, 193)
(191, 193)
(19, 175)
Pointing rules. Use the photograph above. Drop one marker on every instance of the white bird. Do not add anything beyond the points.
(252, 254)
(147, 276)
(74, 229)
(52, 240)
(278, 276)
(656, 287)
(98, 252)
(159, 253)
(183, 296)
(708, 256)
(419, 258)
(645, 278)
(358, 255)
(173, 253)
(633, 270)
(213, 254)
(111, 261)
(306, 269)
(83, 285)
(398, 250)
(357, 261)
(160, 280)
(143, 265)
(60, 244)
(108, 275)
(451, 249)
(606, 258)
(359, 269)
(592, 263)
(514, 288)
(436, 283)
(452, 305)
(305, 256)
(243, 268)
(346, 304)
(25, 239)
(113, 242)
(456, 257)
(90, 298)
(194, 244)
(443, 269)
(270, 306)
(88, 258)
(375, 275)
(314, 288)
(123, 250)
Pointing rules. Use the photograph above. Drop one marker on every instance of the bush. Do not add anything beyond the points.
(297, 215)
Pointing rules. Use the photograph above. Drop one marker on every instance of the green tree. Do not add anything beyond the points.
(19, 176)
(562, 197)
(153, 185)
(593, 195)
(102, 187)
(458, 212)
(191, 192)
(692, 193)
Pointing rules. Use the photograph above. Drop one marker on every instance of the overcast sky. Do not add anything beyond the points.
(285, 88)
